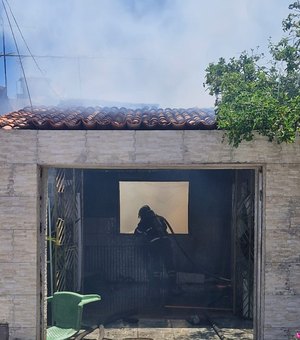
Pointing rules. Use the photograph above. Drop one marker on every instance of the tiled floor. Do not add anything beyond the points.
(168, 329)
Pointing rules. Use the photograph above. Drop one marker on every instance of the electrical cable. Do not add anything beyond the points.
(18, 27)
(31, 55)
(74, 57)
(17, 48)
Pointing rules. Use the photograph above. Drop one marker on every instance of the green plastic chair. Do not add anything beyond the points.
(67, 310)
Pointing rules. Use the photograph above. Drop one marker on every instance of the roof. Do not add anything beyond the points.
(98, 118)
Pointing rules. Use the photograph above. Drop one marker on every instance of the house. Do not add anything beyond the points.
(64, 172)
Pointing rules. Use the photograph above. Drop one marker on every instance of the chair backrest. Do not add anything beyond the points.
(66, 312)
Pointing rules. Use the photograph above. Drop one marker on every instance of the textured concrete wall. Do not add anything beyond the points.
(19, 298)
(22, 152)
(282, 260)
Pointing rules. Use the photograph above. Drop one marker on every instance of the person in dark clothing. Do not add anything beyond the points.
(154, 229)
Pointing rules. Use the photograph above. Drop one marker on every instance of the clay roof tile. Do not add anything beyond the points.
(92, 118)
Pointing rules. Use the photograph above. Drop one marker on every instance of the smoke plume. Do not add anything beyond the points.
(133, 51)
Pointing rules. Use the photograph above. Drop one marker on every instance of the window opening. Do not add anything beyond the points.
(169, 199)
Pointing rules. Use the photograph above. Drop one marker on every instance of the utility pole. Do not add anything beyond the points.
(5, 105)
(4, 53)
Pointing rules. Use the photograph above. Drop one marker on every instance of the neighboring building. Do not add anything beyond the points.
(246, 201)
(4, 101)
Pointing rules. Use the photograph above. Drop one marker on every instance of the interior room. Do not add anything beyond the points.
(93, 245)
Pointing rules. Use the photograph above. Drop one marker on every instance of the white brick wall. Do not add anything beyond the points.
(22, 151)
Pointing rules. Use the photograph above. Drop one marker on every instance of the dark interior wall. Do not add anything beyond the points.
(102, 187)
(210, 219)
(117, 256)
(101, 194)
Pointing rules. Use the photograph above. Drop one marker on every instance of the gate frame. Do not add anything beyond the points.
(259, 233)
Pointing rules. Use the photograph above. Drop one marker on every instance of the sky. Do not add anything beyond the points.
(120, 52)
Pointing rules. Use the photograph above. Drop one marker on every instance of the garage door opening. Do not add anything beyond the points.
(92, 247)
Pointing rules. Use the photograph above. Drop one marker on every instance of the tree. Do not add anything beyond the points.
(254, 95)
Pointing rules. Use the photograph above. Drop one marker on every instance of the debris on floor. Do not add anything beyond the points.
(169, 329)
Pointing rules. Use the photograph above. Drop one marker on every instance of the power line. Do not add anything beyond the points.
(17, 48)
(4, 53)
(30, 53)
(12, 14)
(75, 57)
(34, 57)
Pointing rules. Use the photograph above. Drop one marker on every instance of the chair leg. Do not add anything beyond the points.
(101, 332)
(86, 332)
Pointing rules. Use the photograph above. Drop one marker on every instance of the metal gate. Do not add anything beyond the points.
(64, 230)
(243, 242)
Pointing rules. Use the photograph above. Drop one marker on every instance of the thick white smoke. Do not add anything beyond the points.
(135, 51)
